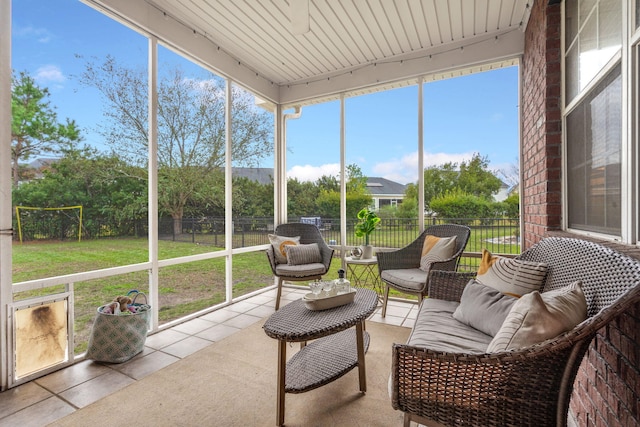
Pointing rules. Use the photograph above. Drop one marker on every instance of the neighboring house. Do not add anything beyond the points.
(385, 192)
(503, 192)
(37, 167)
(261, 175)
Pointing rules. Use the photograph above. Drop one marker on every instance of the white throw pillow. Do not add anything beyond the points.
(279, 244)
(537, 317)
(511, 276)
(436, 249)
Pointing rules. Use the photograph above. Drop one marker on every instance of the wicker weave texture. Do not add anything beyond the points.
(526, 387)
(295, 323)
(409, 256)
(323, 361)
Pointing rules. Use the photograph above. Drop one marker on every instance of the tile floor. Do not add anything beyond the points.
(56, 395)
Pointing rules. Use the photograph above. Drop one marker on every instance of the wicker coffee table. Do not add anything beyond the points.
(336, 348)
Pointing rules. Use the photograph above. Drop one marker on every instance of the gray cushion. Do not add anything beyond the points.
(483, 307)
(303, 254)
(412, 279)
(286, 270)
(437, 330)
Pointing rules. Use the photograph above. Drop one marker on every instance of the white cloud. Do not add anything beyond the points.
(312, 173)
(405, 169)
(49, 73)
(40, 34)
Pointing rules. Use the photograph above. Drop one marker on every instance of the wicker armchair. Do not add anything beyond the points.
(408, 258)
(531, 386)
(308, 233)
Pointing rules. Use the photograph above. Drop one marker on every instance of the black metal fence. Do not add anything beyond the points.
(500, 234)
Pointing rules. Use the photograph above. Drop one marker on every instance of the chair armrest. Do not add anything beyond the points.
(272, 259)
(522, 387)
(327, 255)
(448, 285)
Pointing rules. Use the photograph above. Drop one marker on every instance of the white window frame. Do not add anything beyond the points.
(629, 161)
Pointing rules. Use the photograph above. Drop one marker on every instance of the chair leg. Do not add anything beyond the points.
(384, 300)
(279, 293)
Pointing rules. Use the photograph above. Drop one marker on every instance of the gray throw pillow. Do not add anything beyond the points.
(483, 308)
(303, 254)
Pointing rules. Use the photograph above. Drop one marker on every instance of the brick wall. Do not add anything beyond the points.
(541, 123)
(607, 387)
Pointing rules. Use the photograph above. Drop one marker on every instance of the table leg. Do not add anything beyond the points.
(282, 365)
(361, 367)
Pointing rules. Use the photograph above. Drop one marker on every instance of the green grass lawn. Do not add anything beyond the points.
(183, 288)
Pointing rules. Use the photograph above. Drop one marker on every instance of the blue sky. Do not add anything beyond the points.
(477, 113)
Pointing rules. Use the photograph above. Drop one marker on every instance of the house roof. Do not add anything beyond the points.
(352, 46)
(383, 187)
(261, 175)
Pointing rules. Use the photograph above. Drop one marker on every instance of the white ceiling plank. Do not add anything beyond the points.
(481, 10)
(456, 19)
(493, 15)
(369, 44)
(408, 22)
(252, 41)
(468, 12)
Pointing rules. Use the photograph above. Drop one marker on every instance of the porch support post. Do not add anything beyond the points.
(343, 179)
(6, 294)
(153, 179)
(420, 154)
(228, 191)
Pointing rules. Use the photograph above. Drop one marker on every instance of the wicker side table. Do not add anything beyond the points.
(336, 350)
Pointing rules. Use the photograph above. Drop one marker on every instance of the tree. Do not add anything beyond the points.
(438, 180)
(34, 124)
(472, 177)
(476, 179)
(108, 189)
(191, 129)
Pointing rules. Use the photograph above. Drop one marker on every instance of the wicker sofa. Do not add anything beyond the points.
(435, 381)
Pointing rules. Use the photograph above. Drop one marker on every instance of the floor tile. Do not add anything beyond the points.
(193, 326)
(261, 311)
(49, 398)
(186, 347)
(217, 332)
(398, 311)
(164, 338)
(72, 376)
(96, 388)
(20, 397)
(140, 368)
(220, 316)
(40, 414)
(242, 321)
(242, 306)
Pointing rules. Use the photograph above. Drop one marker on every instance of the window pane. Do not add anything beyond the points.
(594, 135)
(599, 38)
(571, 22)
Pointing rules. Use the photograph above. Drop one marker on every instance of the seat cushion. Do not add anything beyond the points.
(437, 330)
(408, 279)
(304, 270)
